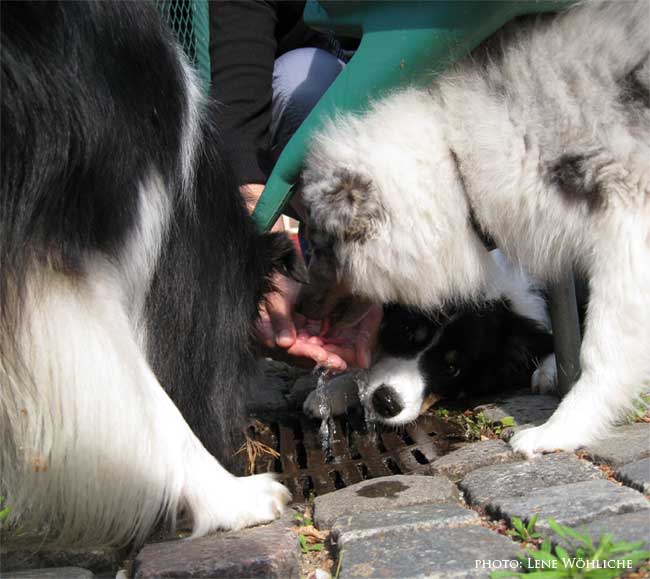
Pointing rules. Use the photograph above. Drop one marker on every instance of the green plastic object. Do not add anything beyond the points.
(402, 43)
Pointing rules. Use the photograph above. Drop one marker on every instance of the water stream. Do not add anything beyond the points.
(327, 428)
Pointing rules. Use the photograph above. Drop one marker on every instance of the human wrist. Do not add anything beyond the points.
(251, 192)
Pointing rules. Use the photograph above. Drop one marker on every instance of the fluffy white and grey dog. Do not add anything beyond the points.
(542, 138)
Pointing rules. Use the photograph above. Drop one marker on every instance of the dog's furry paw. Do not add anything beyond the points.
(546, 438)
(544, 379)
(261, 500)
(234, 503)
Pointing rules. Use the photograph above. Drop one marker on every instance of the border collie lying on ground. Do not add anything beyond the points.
(541, 139)
(469, 351)
(129, 282)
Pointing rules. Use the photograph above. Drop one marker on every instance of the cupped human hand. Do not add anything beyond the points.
(290, 336)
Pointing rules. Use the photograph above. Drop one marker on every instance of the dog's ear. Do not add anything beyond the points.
(347, 205)
(284, 257)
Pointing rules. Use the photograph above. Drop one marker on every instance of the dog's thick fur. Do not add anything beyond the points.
(541, 137)
(127, 262)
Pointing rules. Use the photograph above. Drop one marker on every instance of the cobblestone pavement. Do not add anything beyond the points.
(439, 524)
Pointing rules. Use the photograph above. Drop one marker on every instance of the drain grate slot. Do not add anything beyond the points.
(393, 466)
(417, 455)
(357, 452)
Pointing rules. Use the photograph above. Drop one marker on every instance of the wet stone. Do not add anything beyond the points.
(52, 573)
(446, 553)
(265, 551)
(570, 504)
(413, 519)
(270, 393)
(382, 494)
(29, 552)
(630, 527)
(301, 388)
(511, 480)
(626, 444)
(530, 409)
(457, 464)
(636, 475)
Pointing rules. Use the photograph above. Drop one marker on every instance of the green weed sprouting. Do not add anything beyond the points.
(4, 512)
(524, 531)
(585, 559)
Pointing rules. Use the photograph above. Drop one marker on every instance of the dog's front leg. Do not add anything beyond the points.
(615, 357)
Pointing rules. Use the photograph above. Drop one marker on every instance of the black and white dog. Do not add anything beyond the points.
(542, 136)
(130, 277)
(465, 351)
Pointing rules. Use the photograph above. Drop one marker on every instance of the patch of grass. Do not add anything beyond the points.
(441, 412)
(585, 559)
(4, 512)
(524, 532)
(306, 546)
(309, 537)
(303, 519)
(472, 425)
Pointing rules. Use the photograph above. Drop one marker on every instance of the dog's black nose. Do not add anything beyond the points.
(385, 402)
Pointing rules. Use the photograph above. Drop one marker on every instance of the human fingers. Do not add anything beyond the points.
(322, 356)
(279, 306)
(264, 329)
(345, 352)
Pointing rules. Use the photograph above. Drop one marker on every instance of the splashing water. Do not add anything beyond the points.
(363, 384)
(327, 428)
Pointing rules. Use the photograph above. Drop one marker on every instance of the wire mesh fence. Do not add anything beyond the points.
(190, 21)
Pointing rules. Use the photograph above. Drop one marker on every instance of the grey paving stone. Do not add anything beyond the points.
(413, 519)
(458, 463)
(29, 552)
(626, 444)
(264, 551)
(382, 494)
(442, 554)
(524, 408)
(504, 480)
(629, 527)
(636, 475)
(570, 504)
(51, 573)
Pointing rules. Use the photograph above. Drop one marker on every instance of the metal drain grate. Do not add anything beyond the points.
(357, 452)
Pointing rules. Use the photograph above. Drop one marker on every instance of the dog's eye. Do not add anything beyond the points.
(452, 371)
(452, 367)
